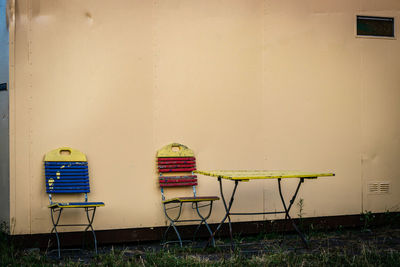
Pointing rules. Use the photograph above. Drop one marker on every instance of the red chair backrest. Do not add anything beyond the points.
(175, 164)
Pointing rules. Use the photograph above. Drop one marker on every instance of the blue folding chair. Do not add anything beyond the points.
(66, 172)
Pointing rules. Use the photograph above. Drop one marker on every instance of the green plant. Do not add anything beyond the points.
(391, 219)
(238, 238)
(300, 205)
(367, 218)
(115, 257)
(4, 243)
(340, 229)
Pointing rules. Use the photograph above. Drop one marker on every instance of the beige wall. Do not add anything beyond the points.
(245, 84)
(4, 140)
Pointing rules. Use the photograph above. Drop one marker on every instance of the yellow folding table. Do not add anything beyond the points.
(247, 175)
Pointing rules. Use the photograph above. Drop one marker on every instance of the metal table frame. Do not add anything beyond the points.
(228, 205)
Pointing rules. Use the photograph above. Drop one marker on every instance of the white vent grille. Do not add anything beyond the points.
(384, 188)
(378, 187)
(373, 187)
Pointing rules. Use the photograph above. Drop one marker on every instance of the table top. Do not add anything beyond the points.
(246, 175)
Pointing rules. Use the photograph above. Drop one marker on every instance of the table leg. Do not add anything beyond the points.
(287, 209)
(227, 210)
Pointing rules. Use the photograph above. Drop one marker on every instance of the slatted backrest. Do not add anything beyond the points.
(175, 163)
(66, 171)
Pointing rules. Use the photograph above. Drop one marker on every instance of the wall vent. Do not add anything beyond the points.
(378, 187)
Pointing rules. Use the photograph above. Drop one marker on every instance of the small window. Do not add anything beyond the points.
(375, 26)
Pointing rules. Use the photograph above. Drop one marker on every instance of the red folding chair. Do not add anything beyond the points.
(176, 163)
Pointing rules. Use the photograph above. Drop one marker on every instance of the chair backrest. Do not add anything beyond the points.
(175, 164)
(66, 171)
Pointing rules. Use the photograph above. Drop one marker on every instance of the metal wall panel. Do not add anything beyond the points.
(245, 84)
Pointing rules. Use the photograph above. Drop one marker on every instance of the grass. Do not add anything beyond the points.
(367, 257)
(345, 247)
(12, 256)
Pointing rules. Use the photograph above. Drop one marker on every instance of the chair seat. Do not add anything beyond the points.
(76, 205)
(190, 199)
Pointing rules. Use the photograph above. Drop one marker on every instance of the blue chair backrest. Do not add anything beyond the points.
(67, 177)
(66, 171)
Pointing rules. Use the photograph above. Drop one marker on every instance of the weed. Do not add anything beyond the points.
(340, 229)
(166, 258)
(391, 219)
(272, 235)
(300, 205)
(238, 238)
(367, 218)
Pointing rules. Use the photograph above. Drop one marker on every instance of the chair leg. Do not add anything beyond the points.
(90, 222)
(164, 239)
(197, 229)
(204, 220)
(165, 236)
(55, 223)
(177, 233)
(172, 223)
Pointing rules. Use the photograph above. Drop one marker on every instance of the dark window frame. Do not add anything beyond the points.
(375, 26)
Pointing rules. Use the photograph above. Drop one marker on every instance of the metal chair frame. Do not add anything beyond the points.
(55, 213)
(173, 221)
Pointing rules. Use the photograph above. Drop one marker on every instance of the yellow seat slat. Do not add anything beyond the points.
(191, 199)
